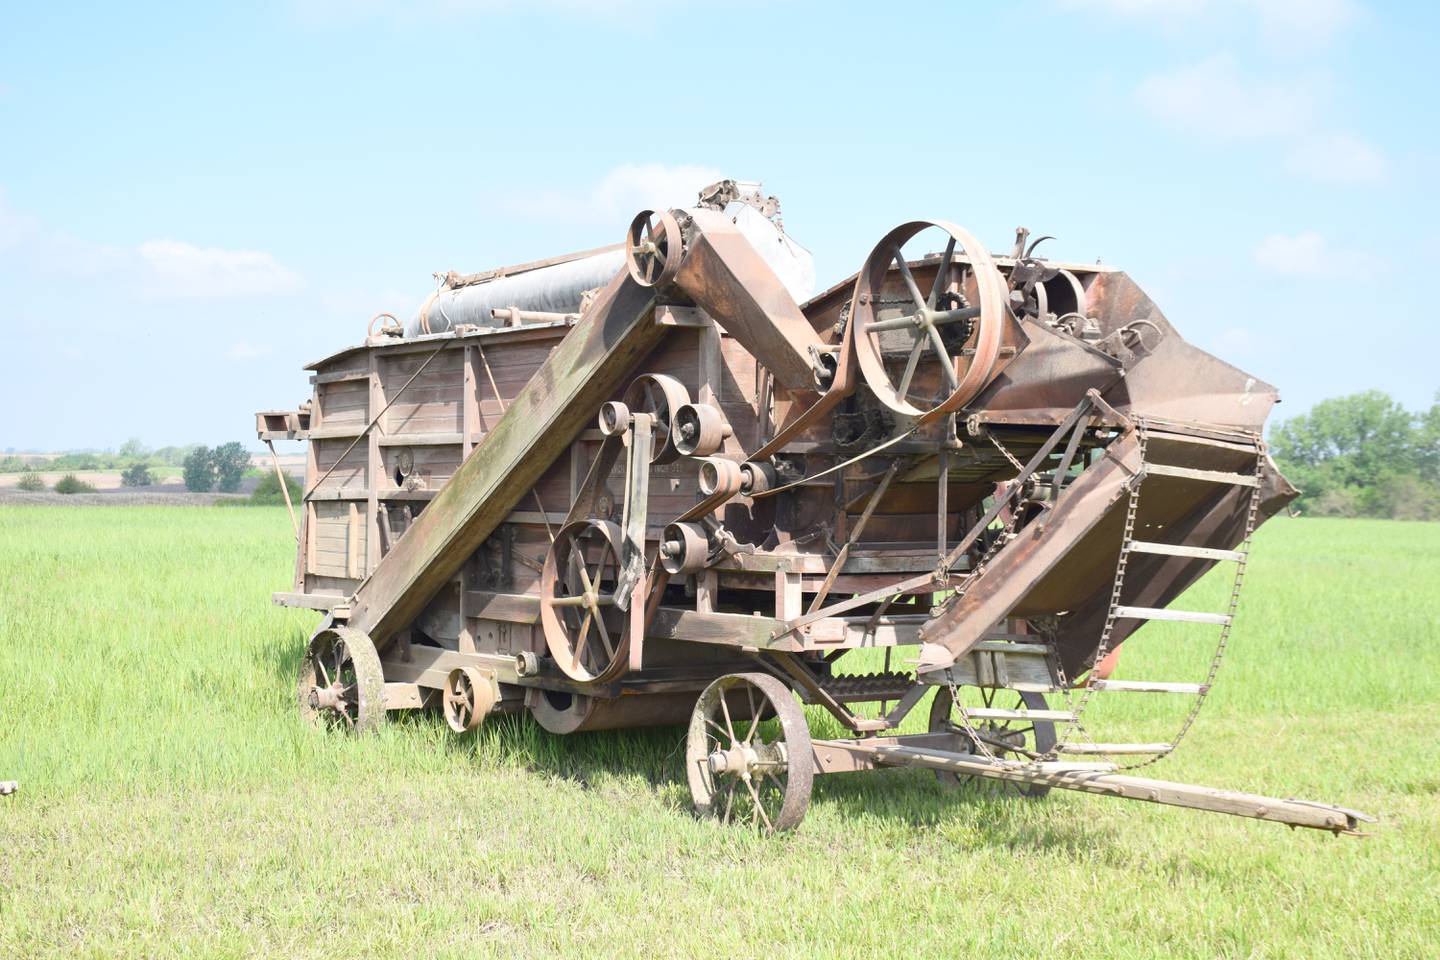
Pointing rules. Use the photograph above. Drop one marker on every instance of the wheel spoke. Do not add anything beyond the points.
(729, 724)
(759, 807)
(909, 279)
(582, 639)
(729, 801)
(910, 366)
(947, 365)
(941, 273)
(720, 729)
(604, 634)
(754, 716)
(324, 674)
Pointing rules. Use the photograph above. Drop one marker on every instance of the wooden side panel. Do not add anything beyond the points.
(341, 539)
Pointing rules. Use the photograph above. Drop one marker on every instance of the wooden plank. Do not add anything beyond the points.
(1148, 686)
(1208, 476)
(374, 467)
(1113, 748)
(1298, 813)
(1183, 550)
(403, 696)
(997, 713)
(352, 542)
(1177, 616)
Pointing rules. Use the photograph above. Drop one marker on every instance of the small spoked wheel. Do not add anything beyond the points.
(341, 681)
(469, 696)
(1007, 738)
(928, 336)
(747, 756)
(584, 628)
(652, 248)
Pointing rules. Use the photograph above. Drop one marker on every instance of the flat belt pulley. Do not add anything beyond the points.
(922, 353)
(584, 627)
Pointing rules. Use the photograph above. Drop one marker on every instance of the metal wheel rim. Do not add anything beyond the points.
(343, 662)
(1036, 736)
(575, 629)
(773, 795)
(989, 290)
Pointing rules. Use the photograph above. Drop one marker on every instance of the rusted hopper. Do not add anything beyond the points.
(681, 496)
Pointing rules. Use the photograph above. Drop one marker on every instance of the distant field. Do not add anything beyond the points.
(172, 803)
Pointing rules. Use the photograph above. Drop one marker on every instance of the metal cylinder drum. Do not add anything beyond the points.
(553, 289)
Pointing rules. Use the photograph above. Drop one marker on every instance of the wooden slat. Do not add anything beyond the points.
(1078, 777)
(1113, 748)
(1148, 686)
(996, 713)
(1182, 550)
(1179, 616)
(1208, 476)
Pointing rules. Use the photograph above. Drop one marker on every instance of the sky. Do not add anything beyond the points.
(196, 200)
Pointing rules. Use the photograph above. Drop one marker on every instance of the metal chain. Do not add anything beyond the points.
(1131, 508)
(1019, 467)
(1223, 642)
(1004, 536)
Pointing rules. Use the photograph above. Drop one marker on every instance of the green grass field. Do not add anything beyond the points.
(173, 804)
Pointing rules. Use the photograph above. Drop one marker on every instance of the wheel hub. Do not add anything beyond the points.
(326, 698)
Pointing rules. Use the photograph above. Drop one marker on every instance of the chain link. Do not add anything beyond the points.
(1223, 642)
(1132, 506)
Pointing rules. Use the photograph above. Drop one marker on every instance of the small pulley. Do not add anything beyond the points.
(653, 248)
(684, 549)
(699, 429)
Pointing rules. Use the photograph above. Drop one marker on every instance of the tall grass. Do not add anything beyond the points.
(172, 804)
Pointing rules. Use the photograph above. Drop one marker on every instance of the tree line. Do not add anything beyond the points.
(1363, 455)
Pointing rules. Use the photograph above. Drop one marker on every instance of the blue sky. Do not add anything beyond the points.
(195, 200)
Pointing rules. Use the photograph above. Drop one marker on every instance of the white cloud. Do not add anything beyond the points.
(1338, 158)
(182, 270)
(1285, 26)
(621, 193)
(14, 225)
(1216, 100)
(1213, 98)
(1310, 254)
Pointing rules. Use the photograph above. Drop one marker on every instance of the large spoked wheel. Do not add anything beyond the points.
(584, 628)
(928, 336)
(1008, 738)
(653, 248)
(661, 396)
(747, 770)
(341, 681)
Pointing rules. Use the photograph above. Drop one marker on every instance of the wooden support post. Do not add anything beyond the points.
(707, 589)
(942, 506)
(374, 465)
(469, 405)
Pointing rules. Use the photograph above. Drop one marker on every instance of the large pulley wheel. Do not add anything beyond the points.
(653, 248)
(661, 396)
(1005, 738)
(748, 757)
(928, 332)
(341, 681)
(584, 627)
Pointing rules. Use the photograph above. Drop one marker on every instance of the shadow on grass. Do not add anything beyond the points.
(656, 755)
